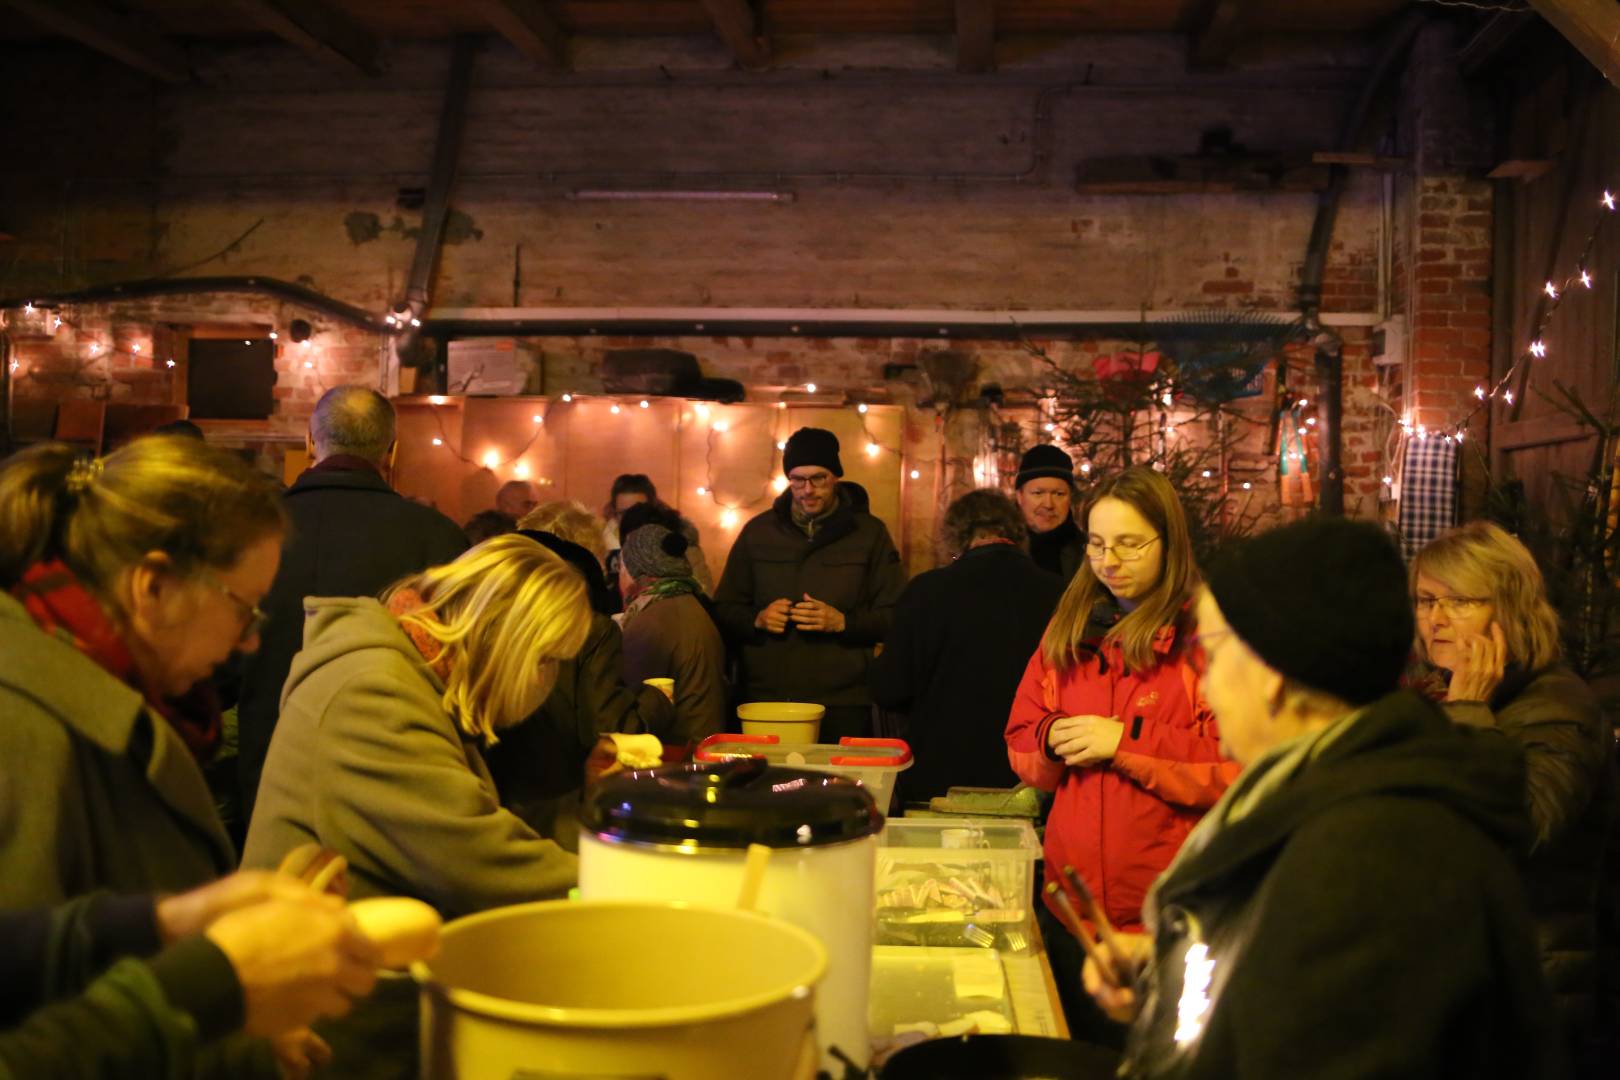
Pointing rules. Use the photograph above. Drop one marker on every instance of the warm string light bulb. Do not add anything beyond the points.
(861, 408)
(644, 404)
(702, 490)
(521, 470)
(915, 475)
(491, 460)
(722, 426)
(1586, 279)
(437, 441)
(1608, 200)
(809, 387)
(780, 483)
(1551, 290)
(1538, 348)
(872, 449)
(614, 408)
(537, 418)
(568, 397)
(728, 518)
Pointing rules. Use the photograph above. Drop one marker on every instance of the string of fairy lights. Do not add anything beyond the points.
(1552, 296)
(717, 428)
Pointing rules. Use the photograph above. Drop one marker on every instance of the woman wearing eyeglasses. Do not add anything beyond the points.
(1108, 715)
(124, 582)
(1485, 626)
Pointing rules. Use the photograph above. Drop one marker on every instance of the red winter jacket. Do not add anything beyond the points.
(1120, 823)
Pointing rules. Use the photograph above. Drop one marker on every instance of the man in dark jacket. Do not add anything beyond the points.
(1350, 908)
(809, 589)
(1044, 491)
(961, 639)
(351, 535)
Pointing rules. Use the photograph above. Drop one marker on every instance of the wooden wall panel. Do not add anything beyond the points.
(718, 464)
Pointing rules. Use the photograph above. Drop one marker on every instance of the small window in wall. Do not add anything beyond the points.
(231, 378)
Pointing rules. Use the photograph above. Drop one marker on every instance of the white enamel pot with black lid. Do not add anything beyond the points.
(682, 833)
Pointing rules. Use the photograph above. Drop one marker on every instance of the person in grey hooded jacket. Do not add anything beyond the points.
(378, 754)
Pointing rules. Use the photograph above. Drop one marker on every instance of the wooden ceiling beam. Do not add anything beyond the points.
(735, 22)
(1592, 26)
(528, 25)
(975, 35)
(1217, 31)
(320, 30)
(107, 32)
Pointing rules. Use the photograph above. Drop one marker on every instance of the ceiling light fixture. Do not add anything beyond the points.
(614, 195)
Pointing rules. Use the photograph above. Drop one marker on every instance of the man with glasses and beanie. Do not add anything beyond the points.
(1351, 906)
(1044, 491)
(809, 589)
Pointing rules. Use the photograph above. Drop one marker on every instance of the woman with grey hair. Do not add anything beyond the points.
(962, 636)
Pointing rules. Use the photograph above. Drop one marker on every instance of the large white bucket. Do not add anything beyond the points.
(620, 989)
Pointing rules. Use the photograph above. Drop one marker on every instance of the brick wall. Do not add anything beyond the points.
(910, 194)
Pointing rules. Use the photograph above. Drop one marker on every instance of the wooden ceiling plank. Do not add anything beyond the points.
(1223, 24)
(975, 35)
(320, 30)
(734, 21)
(528, 25)
(1592, 26)
(91, 24)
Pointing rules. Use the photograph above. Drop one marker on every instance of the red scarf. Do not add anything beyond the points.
(62, 607)
(405, 601)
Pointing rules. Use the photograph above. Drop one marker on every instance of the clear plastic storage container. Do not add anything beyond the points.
(872, 763)
(957, 882)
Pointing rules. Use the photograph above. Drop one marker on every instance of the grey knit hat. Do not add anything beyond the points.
(653, 551)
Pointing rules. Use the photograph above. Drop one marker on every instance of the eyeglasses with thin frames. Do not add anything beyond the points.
(253, 617)
(1455, 607)
(818, 481)
(1124, 550)
(1198, 654)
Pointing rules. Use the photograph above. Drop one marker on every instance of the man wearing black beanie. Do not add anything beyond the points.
(809, 588)
(1351, 906)
(1044, 492)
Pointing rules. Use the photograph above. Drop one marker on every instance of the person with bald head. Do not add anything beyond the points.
(516, 498)
(352, 535)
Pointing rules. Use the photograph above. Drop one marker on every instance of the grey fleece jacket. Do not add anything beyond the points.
(366, 761)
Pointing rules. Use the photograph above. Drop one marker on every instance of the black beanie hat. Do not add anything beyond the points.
(812, 446)
(1044, 460)
(1323, 601)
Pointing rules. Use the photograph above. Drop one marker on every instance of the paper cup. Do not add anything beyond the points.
(666, 686)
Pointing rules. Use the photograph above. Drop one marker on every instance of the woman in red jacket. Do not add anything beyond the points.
(1108, 713)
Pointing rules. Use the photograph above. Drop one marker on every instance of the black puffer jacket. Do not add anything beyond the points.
(1364, 918)
(1555, 719)
(851, 564)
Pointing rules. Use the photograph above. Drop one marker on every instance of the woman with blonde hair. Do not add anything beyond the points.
(386, 712)
(378, 754)
(1488, 632)
(1108, 715)
(571, 521)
